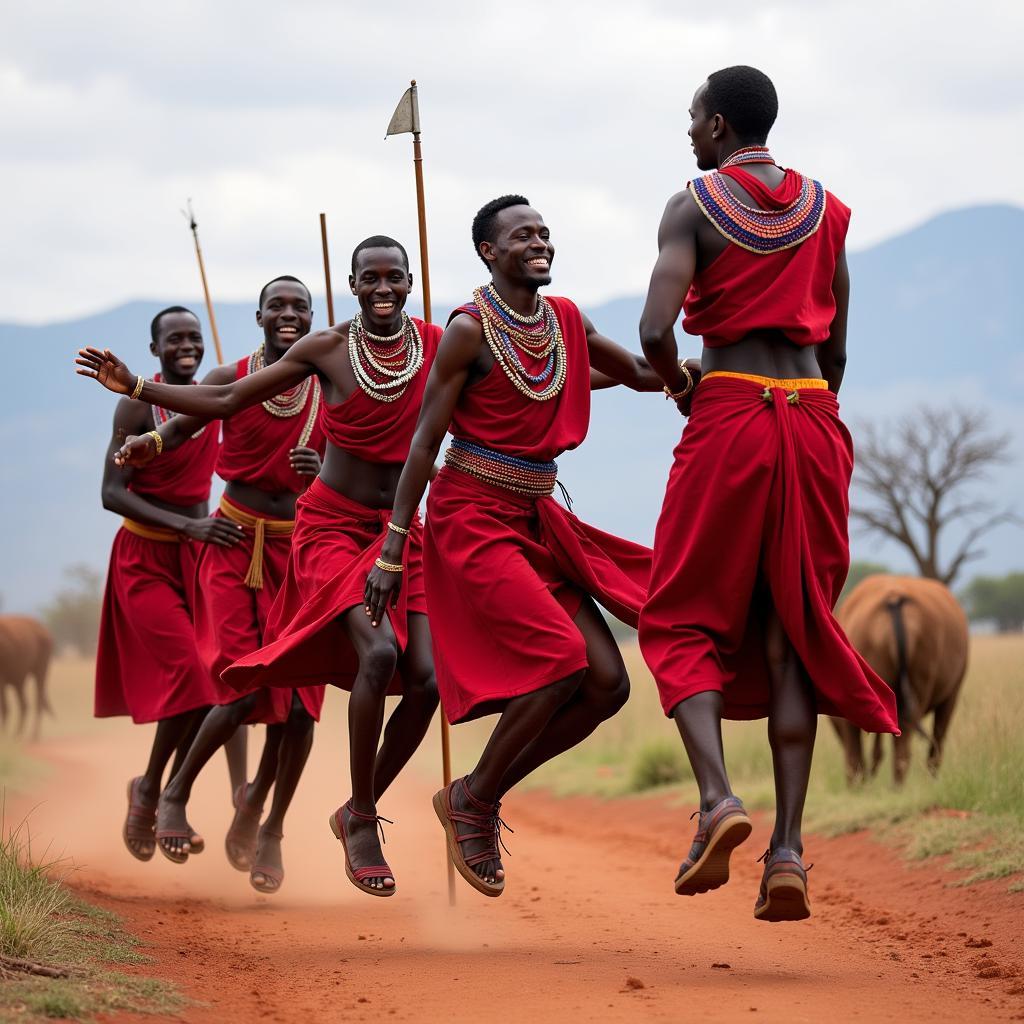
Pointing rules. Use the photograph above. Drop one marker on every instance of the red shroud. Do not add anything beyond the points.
(333, 549)
(789, 291)
(146, 661)
(231, 618)
(382, 431)
(506, 574)
(256, 446)
(181, 476)
(756, 510)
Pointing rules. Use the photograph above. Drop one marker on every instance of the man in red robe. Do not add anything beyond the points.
(268, 456)
(751, 549)
(146, 661)
(373, 370)
(510, 574)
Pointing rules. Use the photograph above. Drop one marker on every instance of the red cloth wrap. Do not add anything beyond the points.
(756, 509)
(181, 476)
(378, 431)
(146, 660)
(231, 618)
(788, 291)
(333, 549)
(506, 574)
(256, 446)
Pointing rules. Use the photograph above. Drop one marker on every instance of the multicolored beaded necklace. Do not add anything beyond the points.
(761, 231)
(291, 402)
(538, 336)
(162, 415)
(385, 366)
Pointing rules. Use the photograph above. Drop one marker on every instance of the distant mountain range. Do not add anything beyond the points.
(936, 317)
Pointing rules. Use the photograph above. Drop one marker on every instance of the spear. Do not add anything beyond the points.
(191, 218)
(327, 270)
(405, 120)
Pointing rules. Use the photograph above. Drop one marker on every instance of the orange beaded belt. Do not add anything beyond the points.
(260, 528)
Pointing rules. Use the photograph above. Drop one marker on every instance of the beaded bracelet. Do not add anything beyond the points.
(157, 440)
(138, 386)
(677, 395)
(398, 529)
(388, 566)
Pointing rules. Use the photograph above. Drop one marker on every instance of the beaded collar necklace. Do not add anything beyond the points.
(760, 231)
(539, 336)
(162, 415)
(384, 366)
(291, 402)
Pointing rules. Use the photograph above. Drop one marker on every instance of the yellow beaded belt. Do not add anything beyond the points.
(536, 479)
(151, 532)
(786, 383)
(260, 527)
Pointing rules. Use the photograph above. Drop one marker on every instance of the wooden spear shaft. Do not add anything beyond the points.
(421, 211)
(206, 288)
(327, 270)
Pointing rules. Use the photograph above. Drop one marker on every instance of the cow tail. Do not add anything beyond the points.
(906, 702)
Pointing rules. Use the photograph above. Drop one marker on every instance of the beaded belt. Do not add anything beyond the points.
(523, 476)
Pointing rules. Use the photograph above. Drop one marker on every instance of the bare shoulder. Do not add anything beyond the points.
(220, 375)
(462, 340)
(681, 213)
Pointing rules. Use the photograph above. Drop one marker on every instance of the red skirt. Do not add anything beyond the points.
(231, 619)
(505, 576)
(333, 549)
(756, 514)
(146, 661)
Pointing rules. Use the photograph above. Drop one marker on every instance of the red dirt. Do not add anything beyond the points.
(588, 929)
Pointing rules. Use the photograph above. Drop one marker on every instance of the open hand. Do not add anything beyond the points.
(104, 366)
(305, 461)
(214, 530)
(136, 451)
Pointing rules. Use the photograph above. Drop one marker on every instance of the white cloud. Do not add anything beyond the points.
(113, 114)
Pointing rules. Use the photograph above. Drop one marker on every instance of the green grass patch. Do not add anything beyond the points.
(43, 922)
(981, 780)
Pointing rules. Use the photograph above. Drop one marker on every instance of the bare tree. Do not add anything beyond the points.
(916, 477)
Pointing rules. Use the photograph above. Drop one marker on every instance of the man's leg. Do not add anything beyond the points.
(699, 719)
(792, 724)
(522, 721)
(377, 651)
(241, 839)
(603, 691)
(217, 727)
(295, 744)
(236, 750)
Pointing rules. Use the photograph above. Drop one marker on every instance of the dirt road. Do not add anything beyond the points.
(589, 928)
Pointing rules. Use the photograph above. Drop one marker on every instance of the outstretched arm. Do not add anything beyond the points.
(670, 281)
(213, 402)
(832, 353)
(458, 351)
(611, 364)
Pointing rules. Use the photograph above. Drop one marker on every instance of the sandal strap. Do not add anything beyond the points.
(373, 871)
(174, 833)
(241, 807)
(489, 821)
(378, 818)
(269, 872)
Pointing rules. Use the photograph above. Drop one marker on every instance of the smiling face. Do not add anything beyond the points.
(381, 283)
(178, 346)
(286, 314)
(704, 131)
(521, 252)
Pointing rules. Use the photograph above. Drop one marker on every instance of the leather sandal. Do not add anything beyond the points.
(486, 824)
(173, 833)
(243, 834)
(719, 831)
(140, 823)
(276, 874)
(783, 895)
(358, 876)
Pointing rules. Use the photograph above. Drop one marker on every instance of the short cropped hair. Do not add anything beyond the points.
(379, 242)
(154, 327)
(747, 100)
(284, 277)
(483, 222)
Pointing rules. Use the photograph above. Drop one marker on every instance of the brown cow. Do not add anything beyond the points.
(25, 649)
(913, 633)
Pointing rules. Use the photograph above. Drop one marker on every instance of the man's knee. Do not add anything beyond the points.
(378, 662)
(239, 710)
(300, 722)
(606, 689)
(421, 687)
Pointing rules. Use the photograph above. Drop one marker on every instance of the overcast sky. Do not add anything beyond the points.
(267, 113)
